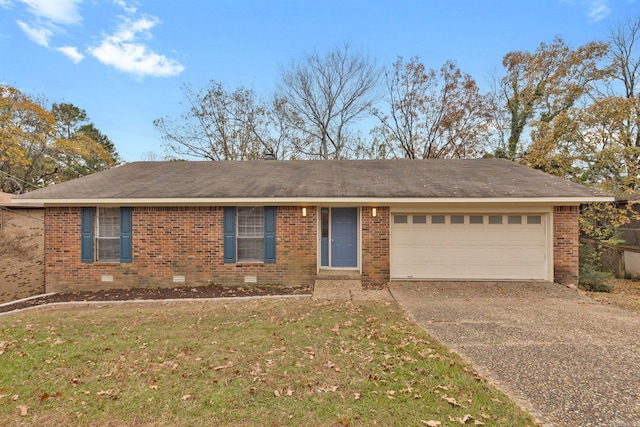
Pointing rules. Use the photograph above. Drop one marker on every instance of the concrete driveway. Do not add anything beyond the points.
(566, 359)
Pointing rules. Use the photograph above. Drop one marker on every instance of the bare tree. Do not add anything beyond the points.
(432, 114)
(322, 95)
(625, 60)
(224, 125)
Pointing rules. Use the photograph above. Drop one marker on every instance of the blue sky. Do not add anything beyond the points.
(125, 61)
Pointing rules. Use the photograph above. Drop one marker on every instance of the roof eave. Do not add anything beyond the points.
(300, 201)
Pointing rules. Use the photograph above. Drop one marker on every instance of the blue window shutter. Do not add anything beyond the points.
(229, 234)
(87, 235)
(269, 234)
(125, 235)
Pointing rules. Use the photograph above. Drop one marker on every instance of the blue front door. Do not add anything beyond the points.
(344, 237)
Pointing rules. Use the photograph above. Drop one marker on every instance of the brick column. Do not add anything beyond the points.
(565, 244)
(375, 247)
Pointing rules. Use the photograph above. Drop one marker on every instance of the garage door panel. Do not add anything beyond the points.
(469, 251)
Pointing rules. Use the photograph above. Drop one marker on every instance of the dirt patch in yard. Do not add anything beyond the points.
(625, 294)
(160, 294)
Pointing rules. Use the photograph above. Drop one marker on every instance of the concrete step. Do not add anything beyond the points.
(339, 274)
(336, 288)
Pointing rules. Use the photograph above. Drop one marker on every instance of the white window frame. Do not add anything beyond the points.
(107, 232)
(250, 236)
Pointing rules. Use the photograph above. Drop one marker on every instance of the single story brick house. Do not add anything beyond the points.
(288, 222)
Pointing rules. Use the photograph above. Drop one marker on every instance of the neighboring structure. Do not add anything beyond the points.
(631, 245)
(286, 222)
(21, 249)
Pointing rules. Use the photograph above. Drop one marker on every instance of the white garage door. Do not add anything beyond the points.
(469, 246)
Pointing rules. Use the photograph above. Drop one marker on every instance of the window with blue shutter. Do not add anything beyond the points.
(125, 235)
(229, 234)
(109, 237)
(249, 234)
(270, 234)
(87, 235)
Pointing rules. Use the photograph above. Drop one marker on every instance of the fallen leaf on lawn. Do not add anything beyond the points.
(345, 421)
(478, 423)
(451, 400)
(46, 396)
(186, 397)
(356, 396)
(15, 397)
(431, 423)
(276, 393)
(23, 410)
(153, 387)
(391, 392)
(466, 418)
(485, 416)
(289, 392)
(217, 368)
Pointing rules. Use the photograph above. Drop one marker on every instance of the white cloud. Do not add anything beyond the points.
(598, 10)
(57, 11)
(6, 4)
(127, 7)
(40, 35)
(71, 52)
(124, 50)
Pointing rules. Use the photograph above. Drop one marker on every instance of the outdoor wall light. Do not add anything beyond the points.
(374, 212)
(304, 211)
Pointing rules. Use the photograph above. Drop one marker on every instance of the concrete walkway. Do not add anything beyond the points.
(566, 359)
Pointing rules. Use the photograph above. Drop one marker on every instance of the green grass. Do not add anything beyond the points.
(267, 363)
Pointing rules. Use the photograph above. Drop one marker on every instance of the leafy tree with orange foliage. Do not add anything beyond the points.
(39, 147)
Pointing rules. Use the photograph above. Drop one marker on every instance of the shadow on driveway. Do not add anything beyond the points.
(566, 359)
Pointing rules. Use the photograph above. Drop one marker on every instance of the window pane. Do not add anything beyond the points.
(457, 219)
(108, 234)
(476, 219)
(419, 219)
(324, 216)
(251, 250)
(108, 222)
(495, 219)
(108, 249)
(399, 219)
(534, 219)
(514, 219)
(437, 219)
(250, 239)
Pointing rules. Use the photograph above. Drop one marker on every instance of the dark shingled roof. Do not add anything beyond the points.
(478, 178)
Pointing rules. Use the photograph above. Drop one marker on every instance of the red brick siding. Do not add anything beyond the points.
(21, 253)
(375, 247)
(565, 244)
(184, 241)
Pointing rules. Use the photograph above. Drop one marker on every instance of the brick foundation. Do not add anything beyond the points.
(565, 244)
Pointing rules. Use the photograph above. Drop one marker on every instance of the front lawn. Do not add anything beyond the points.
(266, 363)
(624, 293)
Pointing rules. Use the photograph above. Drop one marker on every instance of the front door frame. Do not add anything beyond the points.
(327, 244)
